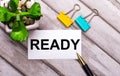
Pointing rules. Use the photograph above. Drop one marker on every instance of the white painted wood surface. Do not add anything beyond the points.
(58, 62)
(101, 33)
(6, 69)
(100, 45)
(115, 3)
(107, 10)
(16, 54)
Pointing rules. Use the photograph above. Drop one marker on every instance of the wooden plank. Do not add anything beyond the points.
(54, 24)
(107, 11)
(100, 63)
(6, 69)
(49, 22)
(115, 3)
(46, 21)
(103, 64)
(95, 53)
(15, 54)
(101, 33)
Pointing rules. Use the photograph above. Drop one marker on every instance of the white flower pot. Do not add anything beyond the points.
(28, 27)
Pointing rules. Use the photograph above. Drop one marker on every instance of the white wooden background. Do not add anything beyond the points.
(100, 45)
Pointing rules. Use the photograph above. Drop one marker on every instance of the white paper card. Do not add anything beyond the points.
(54, 44)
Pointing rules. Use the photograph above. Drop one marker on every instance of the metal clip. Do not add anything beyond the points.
(83, 23)
(93, 11)
(65, 19)
(76, 5)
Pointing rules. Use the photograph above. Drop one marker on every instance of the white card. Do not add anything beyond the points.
(54, 44)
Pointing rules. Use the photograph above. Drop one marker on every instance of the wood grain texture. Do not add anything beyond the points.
(97, 45)
(68, 64)
(6, 69)
(107, 11)
(115, 3)
(101, 33)
(49, 22)
(103, 64)
(15, 54)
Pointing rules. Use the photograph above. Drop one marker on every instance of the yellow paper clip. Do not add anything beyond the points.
(65, 19)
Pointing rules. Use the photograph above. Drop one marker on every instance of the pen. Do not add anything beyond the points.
(84, 66)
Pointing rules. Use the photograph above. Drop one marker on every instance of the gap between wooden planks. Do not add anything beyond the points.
(108, 12)
(101, 33)
(56, 24)
(115, 3)
(47, 22)
(56, 6)
(6, 69)
(16, 55)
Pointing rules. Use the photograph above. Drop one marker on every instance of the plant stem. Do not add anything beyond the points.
(18, 17)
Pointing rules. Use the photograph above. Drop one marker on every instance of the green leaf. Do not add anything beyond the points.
(14, 5)
(3, 11)
(19, 32)
(25, 14)
(5, 14)
(34, 12)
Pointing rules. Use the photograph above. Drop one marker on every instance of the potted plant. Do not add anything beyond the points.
(19, 16)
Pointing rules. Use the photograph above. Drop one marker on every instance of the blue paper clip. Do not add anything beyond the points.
(83, 23)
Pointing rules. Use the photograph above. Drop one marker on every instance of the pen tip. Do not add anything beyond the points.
(78, 55)
(80, 59)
